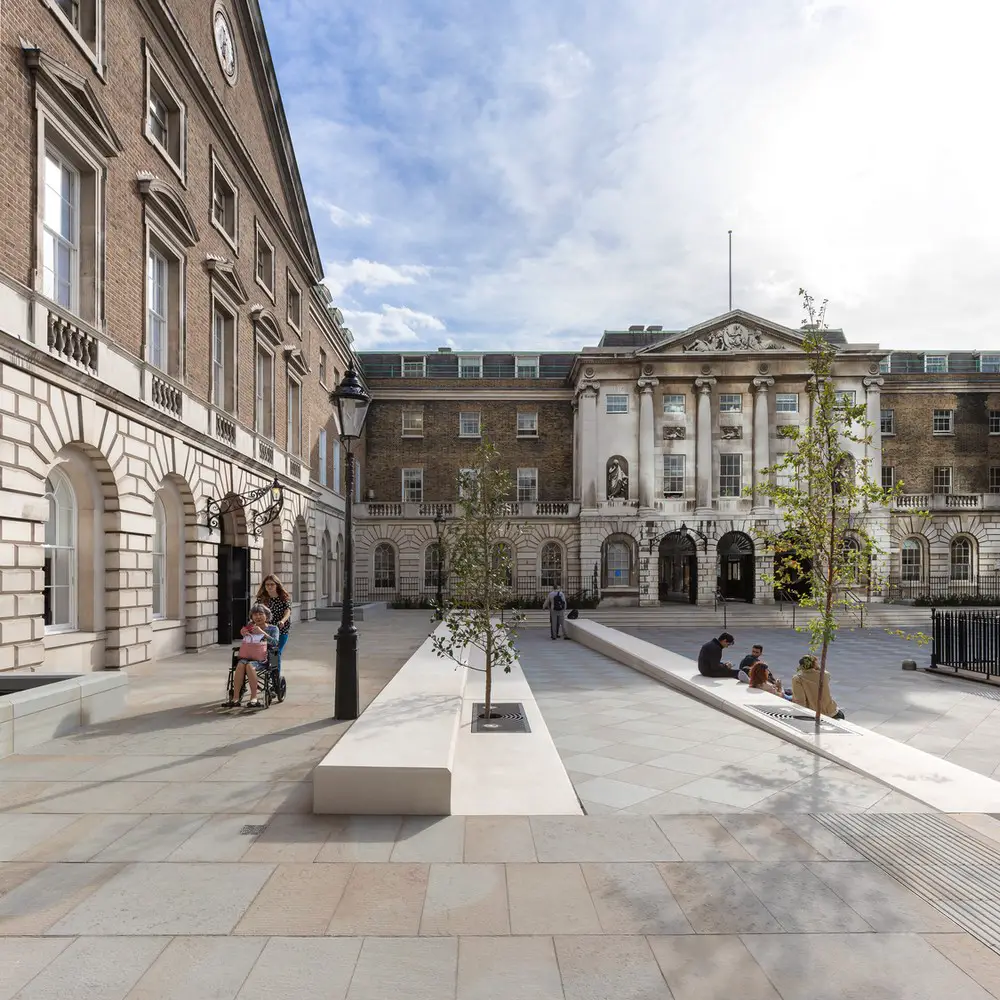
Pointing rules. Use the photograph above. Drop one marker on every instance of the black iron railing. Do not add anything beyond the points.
(966, 640)
(421, 591)
(981, 589)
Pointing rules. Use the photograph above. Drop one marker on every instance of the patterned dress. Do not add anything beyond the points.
(279, 606)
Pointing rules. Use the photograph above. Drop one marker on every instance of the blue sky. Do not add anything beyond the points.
(524, 175)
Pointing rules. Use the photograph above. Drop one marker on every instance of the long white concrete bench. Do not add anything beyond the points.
(397, 758)
(934, 781)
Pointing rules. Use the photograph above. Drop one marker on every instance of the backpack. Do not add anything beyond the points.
(559, 602)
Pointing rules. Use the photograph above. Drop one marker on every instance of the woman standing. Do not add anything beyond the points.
(275, 597)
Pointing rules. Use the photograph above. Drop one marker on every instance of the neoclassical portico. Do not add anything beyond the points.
(693, 419)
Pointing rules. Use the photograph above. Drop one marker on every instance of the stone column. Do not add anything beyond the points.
(647, 472)
(589, 479)
(873, 413)
(703, 444)
(761, 439)
(576, 450)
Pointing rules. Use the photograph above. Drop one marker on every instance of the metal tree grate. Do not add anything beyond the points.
(951, 870)
(506, 717)
(252, 829)
(801, 721)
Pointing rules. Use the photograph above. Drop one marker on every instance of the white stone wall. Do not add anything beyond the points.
(117, 458)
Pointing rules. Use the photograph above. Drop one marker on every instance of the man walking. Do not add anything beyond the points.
(555, 603)
(710, 658)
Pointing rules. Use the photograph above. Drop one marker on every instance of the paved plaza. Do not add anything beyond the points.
(953, 718)
(173, 853)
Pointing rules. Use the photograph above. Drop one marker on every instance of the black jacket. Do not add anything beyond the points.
(748, 661)
(710, 658)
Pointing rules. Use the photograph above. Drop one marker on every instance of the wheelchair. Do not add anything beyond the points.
(272, 685)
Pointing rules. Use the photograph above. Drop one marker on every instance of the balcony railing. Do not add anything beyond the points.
(406, 509)
(166, 395)
(947, 501)
(225, 429)
(71, 343)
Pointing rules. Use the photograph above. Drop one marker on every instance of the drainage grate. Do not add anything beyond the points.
(801, 722)
(949, 869)
(508, 717)
(252, 830)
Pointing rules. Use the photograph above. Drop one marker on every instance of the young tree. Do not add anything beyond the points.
(480, 547)
(825, 497)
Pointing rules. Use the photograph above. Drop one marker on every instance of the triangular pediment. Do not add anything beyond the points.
(72, 94)
(735, 332)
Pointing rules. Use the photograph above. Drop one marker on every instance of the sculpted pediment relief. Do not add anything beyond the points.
(734, 337)
(736, 332)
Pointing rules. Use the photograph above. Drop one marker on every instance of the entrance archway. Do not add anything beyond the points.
(736, 567)
(678, 568)
(792, 571)
(234, 576)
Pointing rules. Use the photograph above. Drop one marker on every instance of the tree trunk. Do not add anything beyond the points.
(489, 667)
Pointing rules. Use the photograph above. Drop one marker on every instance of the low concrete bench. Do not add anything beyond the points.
(937, 782)
(397, 758)
(35, 708)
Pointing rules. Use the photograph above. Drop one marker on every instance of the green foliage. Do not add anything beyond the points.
(958, 601)
(824, 490)
(479, 547)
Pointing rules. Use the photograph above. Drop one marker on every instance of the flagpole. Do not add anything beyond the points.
(730, 270)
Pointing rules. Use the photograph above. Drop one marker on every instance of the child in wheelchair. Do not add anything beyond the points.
(260, 642)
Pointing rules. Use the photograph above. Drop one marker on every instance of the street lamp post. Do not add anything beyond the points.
(438, 524)
(352, 401)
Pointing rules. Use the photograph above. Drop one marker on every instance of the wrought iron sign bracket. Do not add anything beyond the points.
(256, 519)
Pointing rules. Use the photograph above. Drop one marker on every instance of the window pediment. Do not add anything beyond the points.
(163, 201)
(73, 94)
(267, 325)
(295, 360)
(224, 272)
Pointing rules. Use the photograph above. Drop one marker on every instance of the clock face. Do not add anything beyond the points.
(225, 47)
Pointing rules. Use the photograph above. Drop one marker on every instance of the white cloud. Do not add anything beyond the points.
(341, 217)
(390, 326)
(369, 275)
(559, 172)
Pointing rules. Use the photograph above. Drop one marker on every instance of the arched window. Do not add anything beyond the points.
(551, 566)
(619, 562)
(961, 559)
(60, 554)
(434, 564)
(503, 562)
(159, 559)
(911, 560)
(385, 567)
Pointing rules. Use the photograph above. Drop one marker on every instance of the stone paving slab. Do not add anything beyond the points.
(633, 745)
(940, 714)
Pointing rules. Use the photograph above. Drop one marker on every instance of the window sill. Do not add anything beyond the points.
(470, 437)
(230, 239)
(269, 292)
(413, 437)
(527, 437)
(91, 54)
(70, 637)
(177, 168)
(164, 624)
(942, 434)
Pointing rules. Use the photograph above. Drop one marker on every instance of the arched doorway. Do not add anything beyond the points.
(736, 567)
(678, 568)
(234, 576)
(792, 570)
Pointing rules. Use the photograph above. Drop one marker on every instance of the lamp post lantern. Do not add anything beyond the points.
(438, 525)
(352, 401)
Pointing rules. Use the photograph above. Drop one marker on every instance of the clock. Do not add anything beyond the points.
(225, 44)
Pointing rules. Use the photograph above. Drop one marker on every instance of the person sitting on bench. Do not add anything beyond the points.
(710, 662)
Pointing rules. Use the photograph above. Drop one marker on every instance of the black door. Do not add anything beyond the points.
(234, 591)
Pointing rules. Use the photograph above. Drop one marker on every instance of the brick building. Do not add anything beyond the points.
(940, 431)
(164, 337)
(618, 449)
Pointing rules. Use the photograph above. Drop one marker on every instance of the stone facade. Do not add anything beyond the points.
(164, 337)
(667, 431)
